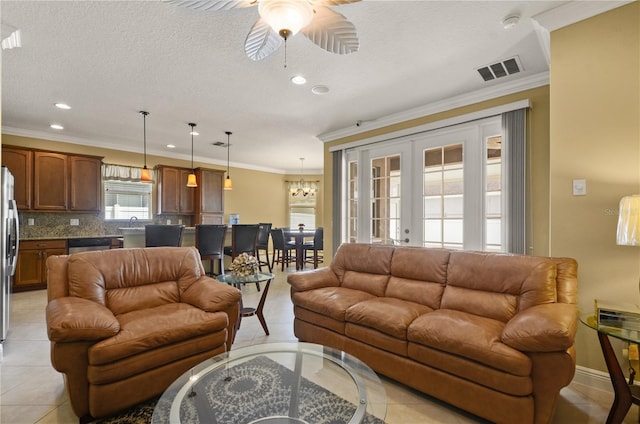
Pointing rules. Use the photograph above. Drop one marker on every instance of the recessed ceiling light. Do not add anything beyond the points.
(171, 146)
(63, 106)
(56, 126)
(320, 89)
(298, 80)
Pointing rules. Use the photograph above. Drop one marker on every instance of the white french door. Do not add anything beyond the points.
(429, 190)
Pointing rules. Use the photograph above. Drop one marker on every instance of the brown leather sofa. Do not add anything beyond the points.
(492, 334)
(125, 323)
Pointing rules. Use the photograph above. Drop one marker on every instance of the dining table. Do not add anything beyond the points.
(299, 234)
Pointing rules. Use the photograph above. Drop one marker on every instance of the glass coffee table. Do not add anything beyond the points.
(275, 383)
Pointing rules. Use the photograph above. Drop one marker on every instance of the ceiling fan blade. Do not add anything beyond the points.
(332, 2)
(261, 41)
(332, 32)
(213, 4)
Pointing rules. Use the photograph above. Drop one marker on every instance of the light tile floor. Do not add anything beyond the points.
(31, 391)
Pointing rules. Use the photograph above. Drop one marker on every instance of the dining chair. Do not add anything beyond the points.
(244, 239)
(264, 232)
(156, 235)
(282, 249)
(317, 245)
(210, 243)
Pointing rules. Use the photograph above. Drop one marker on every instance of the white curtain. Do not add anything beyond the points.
(122, 173)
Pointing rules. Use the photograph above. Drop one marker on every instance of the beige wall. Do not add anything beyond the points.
(538, 177)
(257, 196)
(595, 135)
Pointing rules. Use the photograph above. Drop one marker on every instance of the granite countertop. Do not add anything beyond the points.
(68, 237)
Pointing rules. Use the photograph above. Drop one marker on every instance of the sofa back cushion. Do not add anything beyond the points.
(130, 279)
(498, 285)
(363, 267)
(418, 275)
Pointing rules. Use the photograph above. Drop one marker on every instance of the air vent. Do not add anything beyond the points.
(219, 144)
(501, 69)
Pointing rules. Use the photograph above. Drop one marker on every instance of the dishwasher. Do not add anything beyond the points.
(86, 244)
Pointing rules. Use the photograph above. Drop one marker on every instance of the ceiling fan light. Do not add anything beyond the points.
(286, 16)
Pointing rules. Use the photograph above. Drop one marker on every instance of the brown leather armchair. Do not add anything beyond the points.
(125, 323)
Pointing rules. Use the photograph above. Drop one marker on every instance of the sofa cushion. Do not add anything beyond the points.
(386, 314)
(92, 274)
(363, 267)
(330, 301)
(470, 336)
(148, 329)
(498, 286)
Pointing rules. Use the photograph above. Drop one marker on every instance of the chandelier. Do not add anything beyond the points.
(302, 187)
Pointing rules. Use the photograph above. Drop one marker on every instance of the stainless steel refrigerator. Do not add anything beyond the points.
(8, 248)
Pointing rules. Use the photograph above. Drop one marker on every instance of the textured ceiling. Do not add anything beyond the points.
(110, 59)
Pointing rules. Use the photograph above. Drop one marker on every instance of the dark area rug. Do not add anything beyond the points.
(257, 388)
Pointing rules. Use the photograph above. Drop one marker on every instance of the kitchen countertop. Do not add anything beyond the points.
(69, 237)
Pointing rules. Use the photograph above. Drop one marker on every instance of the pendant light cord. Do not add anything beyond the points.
(228, 147)
(144, 134)
(192, 129)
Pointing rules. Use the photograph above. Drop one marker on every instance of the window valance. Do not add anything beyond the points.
(122, 173)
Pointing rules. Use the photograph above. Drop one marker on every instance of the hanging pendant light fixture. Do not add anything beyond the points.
(191, 179)
(145, 175)
(227, 182)
(303, 187)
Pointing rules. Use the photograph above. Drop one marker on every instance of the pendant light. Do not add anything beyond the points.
(145, 175)
(227, 182)
(191, 179)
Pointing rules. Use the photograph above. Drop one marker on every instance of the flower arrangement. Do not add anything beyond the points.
(244, 265)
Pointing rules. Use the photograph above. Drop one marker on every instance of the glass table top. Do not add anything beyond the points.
(234, 279)
(621, 333)
(275, 383)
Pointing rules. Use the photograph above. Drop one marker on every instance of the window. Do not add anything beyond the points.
(302, 210)
(126, 199)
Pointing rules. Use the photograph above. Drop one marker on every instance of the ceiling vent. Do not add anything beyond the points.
(219, 144)
(501, 69)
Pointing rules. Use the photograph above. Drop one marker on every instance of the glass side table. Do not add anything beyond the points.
(625, 394)
(251, 279)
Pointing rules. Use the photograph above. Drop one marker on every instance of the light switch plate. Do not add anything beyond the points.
(580, 187)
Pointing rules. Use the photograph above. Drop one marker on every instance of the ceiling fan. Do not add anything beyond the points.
(282, 19)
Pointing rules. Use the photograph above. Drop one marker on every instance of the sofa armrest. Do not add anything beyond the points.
(211, 295)
(313, 279)
(72, 319)
(542, 328)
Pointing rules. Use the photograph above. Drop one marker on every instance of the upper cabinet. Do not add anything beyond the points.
(85, 190)
(209, 197)
(172, 193)
(50, 181)
(20, 163)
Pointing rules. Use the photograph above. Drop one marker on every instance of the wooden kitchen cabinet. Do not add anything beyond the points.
(20, 163)
(50, 176)
(54, 181)
(209, 197)
(172, 194)
(31, 269)
(85, 184)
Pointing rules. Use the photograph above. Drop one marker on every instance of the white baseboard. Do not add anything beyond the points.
(593, 378)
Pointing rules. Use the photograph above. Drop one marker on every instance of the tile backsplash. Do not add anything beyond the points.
(58, 225)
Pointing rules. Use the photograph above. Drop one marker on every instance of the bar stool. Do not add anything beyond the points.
(210, 243)
(163, 235)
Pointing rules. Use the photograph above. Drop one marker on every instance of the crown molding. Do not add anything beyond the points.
(477, 96)
(122, 148)
(575, 11)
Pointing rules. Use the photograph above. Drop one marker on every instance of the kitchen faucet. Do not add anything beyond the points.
(132, 220)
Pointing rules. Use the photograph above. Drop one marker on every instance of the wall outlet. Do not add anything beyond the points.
(580, 187)
(179, 222)
(168, 222)
(31, 221)
(74, 222)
